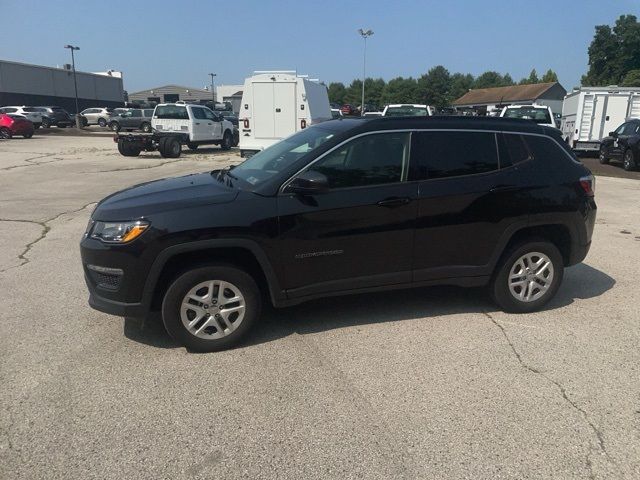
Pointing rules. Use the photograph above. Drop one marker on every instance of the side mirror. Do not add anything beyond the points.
(613, 134)
(309, 183)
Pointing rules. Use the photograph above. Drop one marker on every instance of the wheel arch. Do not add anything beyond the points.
(244, 254)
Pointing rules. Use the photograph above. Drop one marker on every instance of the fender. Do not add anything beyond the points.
(275, 292)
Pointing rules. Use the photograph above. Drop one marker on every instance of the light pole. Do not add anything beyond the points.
(75, 82)
(213, 92)
(364, 34)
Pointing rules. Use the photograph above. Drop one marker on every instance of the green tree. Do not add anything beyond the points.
(373, 89)
(460, 84)
(507, 81)
(433, 87)
(632, 78)
(488, 80)
(549, 76)
(336, 92)
(353, 93)
(613, 52)
(400, 90)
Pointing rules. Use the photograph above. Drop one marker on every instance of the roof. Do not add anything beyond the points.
(513, 93)
(172, 87)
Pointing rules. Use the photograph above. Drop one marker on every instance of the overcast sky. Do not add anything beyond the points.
(180, 41)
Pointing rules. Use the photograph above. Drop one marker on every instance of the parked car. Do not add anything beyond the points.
(407, 110)
(97, 116)
(55, 117)
(623, 144)
(334, 105)
(541, 114)
(229, 116)
(348, 109)
(336, 113)
(372, 114)
(132, 119)
(12, 124)
(30, 113)
(345, 207)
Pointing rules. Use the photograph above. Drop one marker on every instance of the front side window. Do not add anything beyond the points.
(630, 129)
(621, 128)
(453, 154)
(374, 159)
(209, 115)
(198, 113)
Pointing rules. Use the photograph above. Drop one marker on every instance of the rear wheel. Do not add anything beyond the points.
(603, 158)
(102, 122)
(172, 148)
(28, 135)
(628, 160)
(5, 133)
(192, 146)
(46, 123)
(227, 140)
(528, 276)
(211, 308)
(127, 149)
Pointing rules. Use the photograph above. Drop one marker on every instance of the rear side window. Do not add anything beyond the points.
(148, 113)
(136, 113)
(452, 154)
(544, 148)
(31, 109)
(513, 150)
(172, 112)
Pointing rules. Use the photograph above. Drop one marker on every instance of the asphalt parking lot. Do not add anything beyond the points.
(430, 383)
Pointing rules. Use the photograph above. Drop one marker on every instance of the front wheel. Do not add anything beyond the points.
(192, 146)
(528, 276)
(629, 161)
(46, 123)
(146, 127)
(211, 308)
(603, 158)
(115, 126)
(102, 122)
(28, 135)
(227, 140)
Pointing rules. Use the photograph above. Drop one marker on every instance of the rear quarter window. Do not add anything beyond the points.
(545, 148)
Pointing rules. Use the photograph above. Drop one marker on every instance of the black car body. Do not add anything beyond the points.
(623, 144)
(326, 212)
(55, 117)
(132, 119)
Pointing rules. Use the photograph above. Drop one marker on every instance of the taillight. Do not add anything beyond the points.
(303, 124)
(588, 184)
(245, 123)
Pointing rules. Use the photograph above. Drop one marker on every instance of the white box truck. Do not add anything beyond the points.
(590, 113)
(276, 105)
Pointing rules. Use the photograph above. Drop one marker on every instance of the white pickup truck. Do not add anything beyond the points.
(177, 124)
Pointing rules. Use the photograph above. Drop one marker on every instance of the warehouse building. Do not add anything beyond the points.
(174, 93)
(486, 100)
(24, 84)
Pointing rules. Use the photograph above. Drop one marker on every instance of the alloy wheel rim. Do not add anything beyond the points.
(213, 309)
(530, 277)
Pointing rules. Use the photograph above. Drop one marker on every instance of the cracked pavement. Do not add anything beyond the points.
(430, 383)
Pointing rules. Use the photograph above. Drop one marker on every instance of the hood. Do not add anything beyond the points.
(163, 195)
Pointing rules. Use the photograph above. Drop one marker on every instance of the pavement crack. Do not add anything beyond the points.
(32, 163)
(563, 391)
(46, 228)
(128, 169)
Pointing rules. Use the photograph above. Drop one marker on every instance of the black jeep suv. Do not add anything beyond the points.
(342, 207)
(623, 144)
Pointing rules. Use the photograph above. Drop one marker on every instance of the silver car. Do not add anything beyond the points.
(97, 116)
(30, 113)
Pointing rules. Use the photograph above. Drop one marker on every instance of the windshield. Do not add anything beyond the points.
(175, 112)
(538, 115)
(265, 164)
(406, 110)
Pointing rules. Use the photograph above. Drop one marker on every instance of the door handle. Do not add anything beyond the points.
(394, 202)
(197, 123)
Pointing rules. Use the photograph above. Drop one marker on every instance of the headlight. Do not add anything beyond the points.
(118, 232)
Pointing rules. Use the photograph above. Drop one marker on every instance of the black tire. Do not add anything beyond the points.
(161, 146)
(175, 294)
(629, 160)
(603, 158)
(5, 133)
(28, 135)
(46, 123)
(227, 141)
(146, 127)
(236, 138)
(500, 289)
(102, 122)
(126, 149)
(192, 146)
(172, 148)
(115, 126)
(84, 122)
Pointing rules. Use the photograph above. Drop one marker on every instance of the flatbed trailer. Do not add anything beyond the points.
(169, 144)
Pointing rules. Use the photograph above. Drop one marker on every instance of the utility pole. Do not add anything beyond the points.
(364, 34)
(213, 92)
(75, 81)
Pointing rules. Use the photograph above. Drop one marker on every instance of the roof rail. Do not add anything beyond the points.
(257, 72)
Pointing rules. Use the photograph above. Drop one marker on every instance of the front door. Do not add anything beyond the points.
(201, 125)
(360, 233)
(214, 123)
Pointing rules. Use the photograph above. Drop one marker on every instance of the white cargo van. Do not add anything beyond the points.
(590, 113)
(276, 105)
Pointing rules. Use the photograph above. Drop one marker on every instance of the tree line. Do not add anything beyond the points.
(437, 87)
(614, 59)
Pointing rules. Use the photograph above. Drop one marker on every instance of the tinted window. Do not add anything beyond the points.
(31, 109)
(198, 113)
(545, 148)
(175, 112)
(538, 115)
(209, 114)
(148, 113)
(452, 154)
(513, 150)
(406, 110)
(621, 128)
(369, 160)
(631, 128)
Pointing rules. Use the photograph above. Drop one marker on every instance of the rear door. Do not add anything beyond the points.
(263, 110)
(465, 203)
(284, 100)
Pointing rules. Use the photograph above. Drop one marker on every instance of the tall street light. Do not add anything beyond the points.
(75, 82)
(213, 92)
(365, 34)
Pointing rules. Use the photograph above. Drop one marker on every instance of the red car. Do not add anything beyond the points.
(348, 109)
(11, 125)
